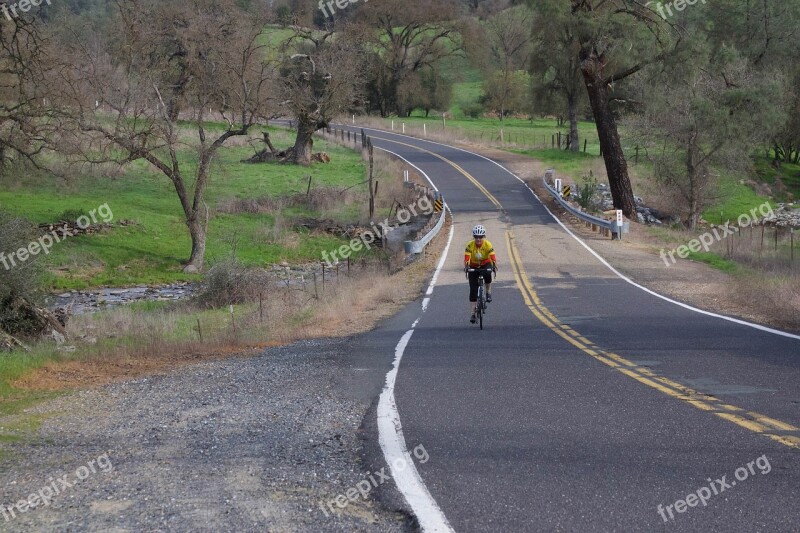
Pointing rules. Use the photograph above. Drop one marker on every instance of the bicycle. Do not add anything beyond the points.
(480, 308)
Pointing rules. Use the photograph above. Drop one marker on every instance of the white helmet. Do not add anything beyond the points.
(479, 231)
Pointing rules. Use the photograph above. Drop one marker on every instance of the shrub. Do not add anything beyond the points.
(20, 282)
(472, 110)
(586, 193)
(71, 215)
(230, 282)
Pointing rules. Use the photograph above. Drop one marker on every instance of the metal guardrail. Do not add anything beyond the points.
(417, 247)
(411, 247)
(606, 226)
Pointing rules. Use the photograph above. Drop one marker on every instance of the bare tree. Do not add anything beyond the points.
(700, 121)
(404, 36)
(509, 38)
(509, 44)
(320, 78)
(25, 122)
(125, 94)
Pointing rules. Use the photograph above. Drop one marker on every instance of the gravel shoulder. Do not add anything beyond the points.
(246, 444)
(267, 440)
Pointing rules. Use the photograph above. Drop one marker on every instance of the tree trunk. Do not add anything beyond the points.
(304, 142)
(197, 231)
(617, 168)
(572, 110)
(268, 142)
(196, 220)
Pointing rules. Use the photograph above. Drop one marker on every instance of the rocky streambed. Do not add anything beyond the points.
(90, 301)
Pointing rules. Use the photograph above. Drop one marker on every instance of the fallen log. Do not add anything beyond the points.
(9, 342)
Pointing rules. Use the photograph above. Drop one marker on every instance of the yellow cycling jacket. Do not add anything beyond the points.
(475, 256)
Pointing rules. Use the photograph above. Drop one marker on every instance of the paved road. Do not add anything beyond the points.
(586, 403)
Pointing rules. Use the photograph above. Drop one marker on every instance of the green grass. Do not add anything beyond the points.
(13, 400)
(151, 251)
(715, 261)
(464, 93)
(736, 199)
(788, 176)
(536, 133)
(572, 164)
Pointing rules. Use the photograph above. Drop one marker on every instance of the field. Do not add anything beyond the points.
(151, 250)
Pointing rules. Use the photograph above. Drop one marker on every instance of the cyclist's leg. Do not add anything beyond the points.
(473, 294)
(487, 278)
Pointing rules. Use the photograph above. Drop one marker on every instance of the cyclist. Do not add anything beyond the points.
(479, 253)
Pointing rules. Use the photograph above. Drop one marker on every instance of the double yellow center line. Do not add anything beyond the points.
(781, 432)
(774, 429)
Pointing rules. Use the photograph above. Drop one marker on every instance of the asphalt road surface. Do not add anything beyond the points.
(586, 403)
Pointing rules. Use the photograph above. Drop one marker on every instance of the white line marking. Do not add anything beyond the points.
(412, 164)
(602, 260)
(390, 429)
(393, 443)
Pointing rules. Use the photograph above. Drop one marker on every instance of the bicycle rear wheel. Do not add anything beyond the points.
(481, 303)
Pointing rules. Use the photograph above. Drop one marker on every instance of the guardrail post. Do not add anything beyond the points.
(620, 222)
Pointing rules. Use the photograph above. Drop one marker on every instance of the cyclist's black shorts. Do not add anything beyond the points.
(473, 283)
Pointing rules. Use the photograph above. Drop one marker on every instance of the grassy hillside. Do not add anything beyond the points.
(150, 251)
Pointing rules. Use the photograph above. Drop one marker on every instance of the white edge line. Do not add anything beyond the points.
(412, 164)
(601, 259)
(390, 429)
(393, 444)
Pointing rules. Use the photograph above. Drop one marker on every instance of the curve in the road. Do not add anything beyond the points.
(749, 420)
(458, 492)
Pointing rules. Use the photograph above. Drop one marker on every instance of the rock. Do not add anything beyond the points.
(58, 337)
(190, 269)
